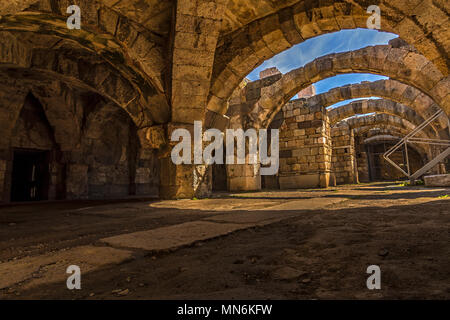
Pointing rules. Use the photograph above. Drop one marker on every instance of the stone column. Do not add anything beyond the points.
(343, 158)
(244, 177)
(241, 177)
(361, 160)
(184, 181)
(305, 147)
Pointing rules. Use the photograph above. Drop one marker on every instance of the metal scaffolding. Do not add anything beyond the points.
(410, 138)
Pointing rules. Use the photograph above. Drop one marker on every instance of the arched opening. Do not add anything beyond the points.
(36, 171)
(379, 169)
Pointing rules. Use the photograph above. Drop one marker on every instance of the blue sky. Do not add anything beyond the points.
(307, 51)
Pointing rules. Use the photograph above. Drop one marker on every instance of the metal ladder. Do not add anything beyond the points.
(410, 138)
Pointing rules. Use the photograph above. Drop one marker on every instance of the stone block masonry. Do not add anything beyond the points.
(442, 180)
(344, 158)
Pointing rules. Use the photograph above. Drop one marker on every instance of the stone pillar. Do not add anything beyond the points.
(242, 177)
(5, 175)
(343, 158)
(305, 147)
(184, 181)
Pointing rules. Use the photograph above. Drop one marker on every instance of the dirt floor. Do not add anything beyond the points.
(303, 244)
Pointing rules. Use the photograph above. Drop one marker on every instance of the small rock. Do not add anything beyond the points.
(123, 292)
(91, 294)
(307, 280)
(141, 285)
(116, 291)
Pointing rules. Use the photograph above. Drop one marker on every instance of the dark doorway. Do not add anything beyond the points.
(30, 176)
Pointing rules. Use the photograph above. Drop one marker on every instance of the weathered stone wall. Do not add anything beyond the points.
(344, 157)
(362, 166)
(105, 161)
(305, 147)
(246, 177)
(109, 153)
(391, 90)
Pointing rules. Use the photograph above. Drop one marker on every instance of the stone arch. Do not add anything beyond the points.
(395, 139)
(385, 130)
(369, 131)
(376, 119)
(398, 63)
(109, 148)
(78, 66)
(11, 102)
(243, 50)
(104, 30)
(32, 130)
(379, 106)
(388, 89)
(34, 169)
(363, 124)
(64, 105)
